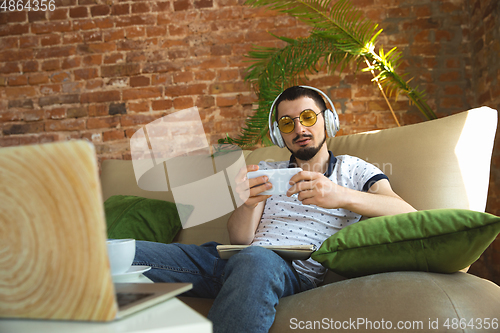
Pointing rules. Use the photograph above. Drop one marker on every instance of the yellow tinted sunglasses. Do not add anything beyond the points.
(307, 118)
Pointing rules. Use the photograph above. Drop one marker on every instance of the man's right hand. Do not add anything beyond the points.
(249, 189)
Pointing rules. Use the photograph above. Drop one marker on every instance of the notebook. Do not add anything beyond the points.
(53, 255)
(287, 252)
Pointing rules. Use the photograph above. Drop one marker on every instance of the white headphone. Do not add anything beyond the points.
(332, 123)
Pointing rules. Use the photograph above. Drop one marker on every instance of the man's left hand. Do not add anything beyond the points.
(314, 188)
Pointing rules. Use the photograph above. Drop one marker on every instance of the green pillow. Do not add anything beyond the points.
(144, 219)
(441, 241)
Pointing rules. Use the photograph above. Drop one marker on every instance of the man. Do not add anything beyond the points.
(330, 193)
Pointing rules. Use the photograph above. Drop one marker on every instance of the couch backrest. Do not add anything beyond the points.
(443, 163)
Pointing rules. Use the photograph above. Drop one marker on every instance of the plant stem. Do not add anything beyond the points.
(383, 93)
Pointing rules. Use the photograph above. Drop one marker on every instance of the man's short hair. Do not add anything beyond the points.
(296, 92)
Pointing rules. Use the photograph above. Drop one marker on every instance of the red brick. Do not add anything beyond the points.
(142, 106)
(156, 31)
(19, 80)
(444, 35)
(72, 38)
(112, 35)
(205, 75)
(113, 58)
(182, 77)
(20, 92)
(23, 128)
(120, 9)
(85, 73)
(226, 101)
(161, 104)
(203, 3)
(220, 88)
(135, 32)
(124, 21)
(93, 84)
(15, 55)
(9, 43)
(38, 78)
(120, 70)
(59, 77)
(12, 16)
(139, 81)
(205, 101)
(9, 141)
(53, 26)
(98, 110)
(100, 10)
(56, 113)
(103, 122)
(65, 125)
(78, 12)
(56, 52)
(139, 56)
(181, 103)
(141, 93)
(14, 29)
(113, 135)
(180, 5)
(73, 87)
(51, 65)
(92, 36)
(71, 62)
(92, 60)
(137, 119)
(140, 7)
(49, 40)
(453, 90)
(101, 96)
(58, 14)
(450, 76)
(33, 115)
(50, 89)
(36, 16)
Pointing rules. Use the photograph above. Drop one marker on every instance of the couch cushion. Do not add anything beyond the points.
(144, 219)
(442, 241)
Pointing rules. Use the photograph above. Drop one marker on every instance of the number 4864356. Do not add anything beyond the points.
(29, 5)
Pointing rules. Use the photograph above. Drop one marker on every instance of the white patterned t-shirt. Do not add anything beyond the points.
(286, 221)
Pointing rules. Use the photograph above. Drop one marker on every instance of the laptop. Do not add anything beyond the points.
(53, 255)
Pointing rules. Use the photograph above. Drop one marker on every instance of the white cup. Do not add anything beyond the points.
(121, 253)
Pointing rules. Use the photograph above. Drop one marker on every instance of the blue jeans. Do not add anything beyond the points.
(246, 288)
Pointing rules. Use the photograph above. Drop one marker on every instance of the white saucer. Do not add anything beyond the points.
(133, 273)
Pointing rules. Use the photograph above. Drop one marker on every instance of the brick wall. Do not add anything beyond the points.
(99, 69)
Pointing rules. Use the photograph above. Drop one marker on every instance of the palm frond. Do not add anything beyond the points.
(340, 36)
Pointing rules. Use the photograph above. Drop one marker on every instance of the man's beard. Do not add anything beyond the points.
(306, 153)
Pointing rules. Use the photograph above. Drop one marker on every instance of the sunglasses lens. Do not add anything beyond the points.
(308, 118)
(286, 124)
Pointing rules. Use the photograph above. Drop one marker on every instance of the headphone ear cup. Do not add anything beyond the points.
(332, 123)
(276, 137)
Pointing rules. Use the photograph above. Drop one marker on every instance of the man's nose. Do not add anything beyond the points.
(299, 128)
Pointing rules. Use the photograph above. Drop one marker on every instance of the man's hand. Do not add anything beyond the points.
(314, 188)
(249, 189)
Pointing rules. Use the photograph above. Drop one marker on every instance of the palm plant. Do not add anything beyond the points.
(340, 36)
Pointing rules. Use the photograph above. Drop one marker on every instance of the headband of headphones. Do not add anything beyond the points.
(331, 120)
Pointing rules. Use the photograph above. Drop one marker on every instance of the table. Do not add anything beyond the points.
(172, 316)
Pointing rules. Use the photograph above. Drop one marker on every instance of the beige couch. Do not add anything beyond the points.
(436, 164)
